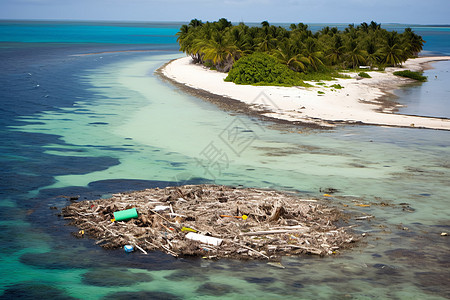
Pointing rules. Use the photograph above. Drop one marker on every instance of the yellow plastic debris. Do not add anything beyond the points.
(188, 229)
(244, 217)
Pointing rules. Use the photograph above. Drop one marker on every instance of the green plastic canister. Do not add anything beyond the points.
(127, 214)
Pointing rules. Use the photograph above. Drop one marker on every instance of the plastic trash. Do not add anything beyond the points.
(243, 217)
(128, 248)
(161, 208)
(188, 229)
(204, 239)
(127, 214)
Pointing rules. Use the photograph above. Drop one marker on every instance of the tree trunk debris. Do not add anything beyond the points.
(252, 223)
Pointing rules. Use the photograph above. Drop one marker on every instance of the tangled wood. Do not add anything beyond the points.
(247, 222)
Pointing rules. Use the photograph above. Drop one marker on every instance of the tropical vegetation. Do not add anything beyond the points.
(260, 68)
(364, 75)
(221, 45)
(411, 74)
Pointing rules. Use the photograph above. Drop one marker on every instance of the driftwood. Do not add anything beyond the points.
(276, 231)
(252, 223)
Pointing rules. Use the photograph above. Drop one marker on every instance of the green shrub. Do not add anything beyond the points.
(320, 92)
(324, 74)
(337, 86)
(410, 74)
(364, 75)
(262, 69)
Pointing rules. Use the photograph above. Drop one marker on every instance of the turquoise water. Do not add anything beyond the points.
(430, 99)
(88, 32)
(96, 124)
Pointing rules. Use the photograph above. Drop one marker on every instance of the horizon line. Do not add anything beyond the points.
(187, 21)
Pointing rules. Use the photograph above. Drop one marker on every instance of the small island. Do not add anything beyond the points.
(323, 79)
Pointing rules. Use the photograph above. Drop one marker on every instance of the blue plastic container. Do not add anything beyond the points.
(128, 248)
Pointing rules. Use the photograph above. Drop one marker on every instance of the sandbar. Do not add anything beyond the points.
(360, 100)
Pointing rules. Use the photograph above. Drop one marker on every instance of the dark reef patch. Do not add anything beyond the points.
(32, 290)
(260, 280)
(114, 277)
(142, 295)
(214, 289)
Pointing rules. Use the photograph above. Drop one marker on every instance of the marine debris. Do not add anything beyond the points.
(214, 221)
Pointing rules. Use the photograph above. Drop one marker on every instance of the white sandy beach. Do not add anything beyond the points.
(359, 101)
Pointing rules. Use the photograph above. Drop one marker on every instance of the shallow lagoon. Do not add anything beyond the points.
(133, 130)
(94, 125)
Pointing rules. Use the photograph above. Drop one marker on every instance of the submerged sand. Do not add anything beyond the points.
(359, 101)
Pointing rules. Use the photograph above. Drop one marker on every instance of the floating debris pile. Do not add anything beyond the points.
(213, 221)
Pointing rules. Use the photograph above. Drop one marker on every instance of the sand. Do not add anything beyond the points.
(360, 101)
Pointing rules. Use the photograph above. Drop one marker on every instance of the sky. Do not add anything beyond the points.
(284, 11)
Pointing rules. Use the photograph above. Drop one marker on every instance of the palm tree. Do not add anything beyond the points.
(182, 34)
(349, 28)
(302, 27)
(373, 54)
(222, 24)
(391, 52)
(354, 55)
(374, 26)
(325, 31)
(392, 55)
(279, 33)
(312, 53)
(364, 27)
(351, 33)
(266, 42)
(239, 38)
(186, 40)
(195, 23)
(219, 50)
(289, 54)
(412, 42)
(336, 52)
(251, 39)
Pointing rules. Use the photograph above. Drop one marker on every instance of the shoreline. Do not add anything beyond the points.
(360, 101)
(227, 103)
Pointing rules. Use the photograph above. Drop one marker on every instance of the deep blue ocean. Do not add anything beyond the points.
(65, 132)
